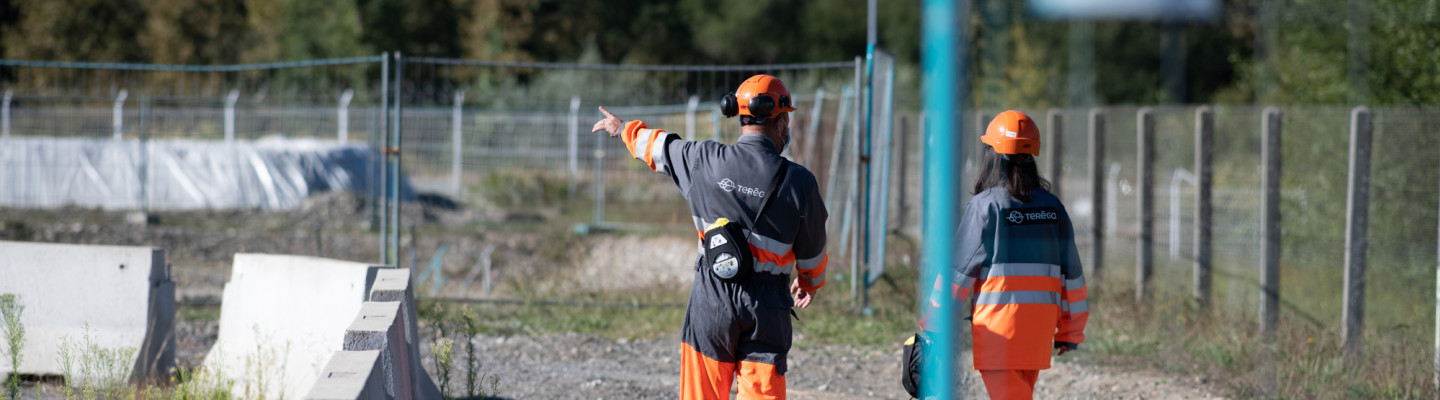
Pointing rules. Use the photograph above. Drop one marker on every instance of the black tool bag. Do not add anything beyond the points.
(910, 361)
(727, 249)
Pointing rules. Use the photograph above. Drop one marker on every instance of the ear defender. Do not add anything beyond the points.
(762, 105)
(728, 106)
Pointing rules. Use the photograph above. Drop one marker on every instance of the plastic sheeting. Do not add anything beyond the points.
(271, 173)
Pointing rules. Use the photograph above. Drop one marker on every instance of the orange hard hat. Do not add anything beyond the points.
(1013, 132)
(761, 96)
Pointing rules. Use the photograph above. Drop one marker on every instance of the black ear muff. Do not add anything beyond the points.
(784, 101)
(728, 106)
(762, 105)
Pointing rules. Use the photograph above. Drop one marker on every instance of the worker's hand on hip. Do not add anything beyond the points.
(802, 297)
(610, 124)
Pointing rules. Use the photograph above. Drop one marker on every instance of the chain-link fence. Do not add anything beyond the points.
(516, 136)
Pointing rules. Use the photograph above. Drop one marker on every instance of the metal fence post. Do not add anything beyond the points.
(837, 145)
(573, 156)
(812, 132)
(342, 119)
(230, 100)
(395, 140)
(1270, 222)
(1204, 143)
(382, 213)
(1055, 148)
(5, 116)
(1357, 214)
(457, 152)
(690, 109)
(118, 118)
(1097, 190)
(715, 125)
(1145, 157)
(599, 181)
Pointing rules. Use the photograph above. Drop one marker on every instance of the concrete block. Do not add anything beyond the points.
(123, 294)
(381, 326)
(281, 318)
(395, 285)
(351, 375)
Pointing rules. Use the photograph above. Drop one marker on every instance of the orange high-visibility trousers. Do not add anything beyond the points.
(703, 378)
(1010, 384)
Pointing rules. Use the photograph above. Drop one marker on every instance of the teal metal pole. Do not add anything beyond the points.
(865, 156)
(941, 61)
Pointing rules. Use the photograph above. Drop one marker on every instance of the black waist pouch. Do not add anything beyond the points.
(727, 249)
(727, 252)
(910, 361)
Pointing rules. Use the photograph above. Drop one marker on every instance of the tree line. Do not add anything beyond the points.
(1302, 53)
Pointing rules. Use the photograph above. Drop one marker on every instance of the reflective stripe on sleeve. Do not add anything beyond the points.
(766, 243)
(968, 283)
(810, 263)
(1072, 284)
(1080, 307)
(658, 151)
(813, 282)
(1018, 297)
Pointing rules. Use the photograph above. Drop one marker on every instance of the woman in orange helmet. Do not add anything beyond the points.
(1017, 264)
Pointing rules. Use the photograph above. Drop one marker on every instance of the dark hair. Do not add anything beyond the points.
(1016, 172)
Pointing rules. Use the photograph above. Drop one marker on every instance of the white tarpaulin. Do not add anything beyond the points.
(271, 173)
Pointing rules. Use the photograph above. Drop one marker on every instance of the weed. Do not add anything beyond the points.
(198, 384)
(444, 350)
(474, 378)
(101, 371)
(10, 311)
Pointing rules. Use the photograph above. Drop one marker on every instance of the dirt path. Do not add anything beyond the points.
(573, 366)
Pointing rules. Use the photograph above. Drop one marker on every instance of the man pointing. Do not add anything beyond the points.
(756, 214)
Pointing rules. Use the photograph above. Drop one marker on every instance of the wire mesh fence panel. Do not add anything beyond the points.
(1404, 193)
(142, 136)
(1235, 234)
(524, 129)
(1315, 153)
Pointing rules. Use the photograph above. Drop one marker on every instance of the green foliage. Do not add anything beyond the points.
(444, 350)
(10, 312)
(92, 371)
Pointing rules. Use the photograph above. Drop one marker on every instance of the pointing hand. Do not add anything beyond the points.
(610, 124)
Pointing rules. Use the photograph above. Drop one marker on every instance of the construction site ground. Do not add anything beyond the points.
(537, 268)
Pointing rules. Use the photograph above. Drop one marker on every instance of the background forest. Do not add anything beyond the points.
(1319, 52)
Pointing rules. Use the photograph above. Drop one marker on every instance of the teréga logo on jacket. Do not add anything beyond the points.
(729, 185)
(1030, 215)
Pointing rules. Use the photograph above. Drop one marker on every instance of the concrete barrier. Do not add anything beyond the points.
(122, 294)
(387, 324)
(395, 285)
(281, 319)
(381, 326)
(351, 375)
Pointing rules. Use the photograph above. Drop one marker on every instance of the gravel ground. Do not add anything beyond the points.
(575, 366)
(200, 245)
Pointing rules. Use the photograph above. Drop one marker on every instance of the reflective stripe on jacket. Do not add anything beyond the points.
(1018, 265)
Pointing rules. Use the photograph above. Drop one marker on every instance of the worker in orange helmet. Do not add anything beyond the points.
(757, 214)
(1017, 264)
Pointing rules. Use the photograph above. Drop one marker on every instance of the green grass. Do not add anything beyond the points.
(1172, 333)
